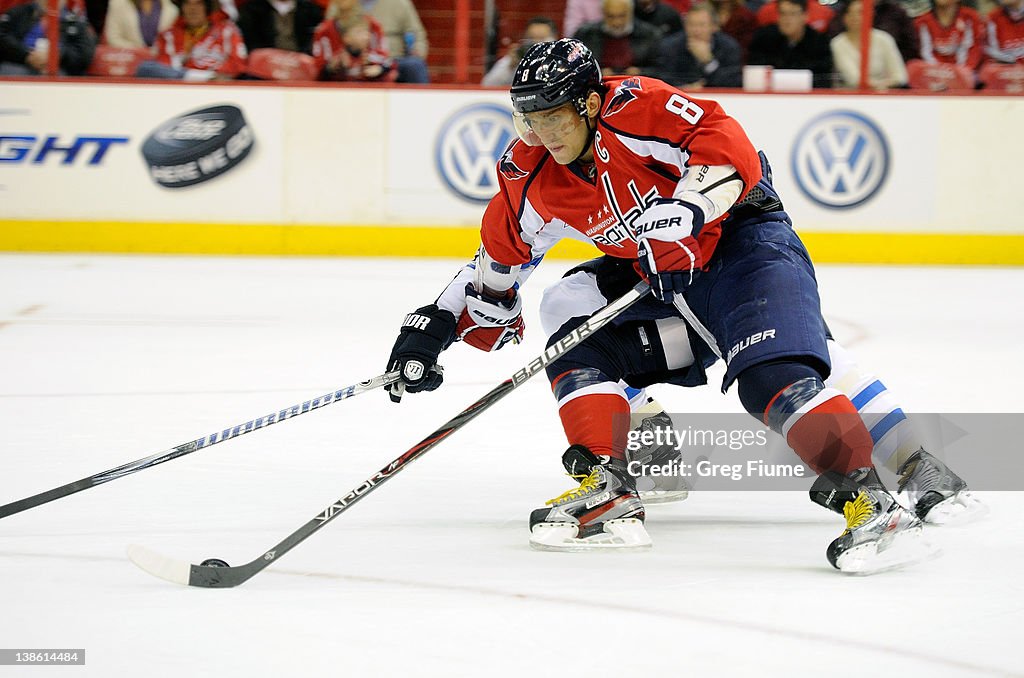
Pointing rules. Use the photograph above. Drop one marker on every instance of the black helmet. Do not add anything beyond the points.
(555, 73)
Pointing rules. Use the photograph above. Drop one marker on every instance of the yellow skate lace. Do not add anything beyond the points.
(588, 483)
(858, 511)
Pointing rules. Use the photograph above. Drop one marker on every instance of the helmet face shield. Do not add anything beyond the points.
(552, 124)
(528, 136)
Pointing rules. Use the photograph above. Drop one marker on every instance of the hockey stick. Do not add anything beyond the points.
(697, 325)
(223, 576)
(198, 444)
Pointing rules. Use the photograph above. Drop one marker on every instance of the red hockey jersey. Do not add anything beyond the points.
(648, 136)
(1005, 42)
(959, 43)
(328, 41)
(220, 49)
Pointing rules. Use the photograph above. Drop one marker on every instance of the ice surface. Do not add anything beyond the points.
(104, 360)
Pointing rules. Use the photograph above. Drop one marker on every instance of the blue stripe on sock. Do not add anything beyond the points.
(577, 379)
(888, 422)
(865, 396)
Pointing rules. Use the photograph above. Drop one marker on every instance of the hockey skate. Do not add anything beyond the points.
(938, 496)
(880, 534)
(604, 512)
(660, 489)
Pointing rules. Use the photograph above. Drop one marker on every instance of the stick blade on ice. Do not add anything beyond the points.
(159, 566)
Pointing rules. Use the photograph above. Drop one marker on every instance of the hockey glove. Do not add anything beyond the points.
(667, 252)
(488, 323)
(425, 333)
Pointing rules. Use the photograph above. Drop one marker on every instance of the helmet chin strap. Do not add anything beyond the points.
(591, 131)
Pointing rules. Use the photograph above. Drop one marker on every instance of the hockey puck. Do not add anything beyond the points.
(214, 562)
(197, 146)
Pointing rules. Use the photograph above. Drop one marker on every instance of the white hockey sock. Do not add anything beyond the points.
(893, 435)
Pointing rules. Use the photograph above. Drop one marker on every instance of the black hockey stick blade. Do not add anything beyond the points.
(379, 381)
(208, 576)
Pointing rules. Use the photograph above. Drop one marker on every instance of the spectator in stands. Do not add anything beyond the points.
(279, 24)
(621, 44)
(349, 45)
(792, 44)
(701, 56)
(538, 29)
(915, 8)
(891, 17)
(663, 17)
(25, 50)
(1005, 33)
(736, 19)
(406, 38)
(95, 14)
(580, 12)
(137, 23)
(951, 34)
(818, 16)
(203, 44)
(886, 69)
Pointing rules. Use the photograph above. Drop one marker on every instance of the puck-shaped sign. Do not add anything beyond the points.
(197, 146)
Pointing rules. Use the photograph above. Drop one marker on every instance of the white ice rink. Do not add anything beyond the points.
(104, 360)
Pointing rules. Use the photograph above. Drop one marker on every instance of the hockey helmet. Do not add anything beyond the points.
(550, 75)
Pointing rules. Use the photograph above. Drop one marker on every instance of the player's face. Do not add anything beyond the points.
(560, 130)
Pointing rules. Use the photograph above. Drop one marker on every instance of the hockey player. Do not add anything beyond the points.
(669, 188)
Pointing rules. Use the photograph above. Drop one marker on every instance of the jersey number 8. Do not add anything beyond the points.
(684, 108)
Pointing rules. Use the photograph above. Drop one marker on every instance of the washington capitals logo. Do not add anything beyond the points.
(625, 93)
(509, 169)
(575, 53)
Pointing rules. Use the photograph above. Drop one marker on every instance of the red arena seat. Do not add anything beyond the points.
(939, 77)
(280, 64)
(1003, 77)
(117, 62)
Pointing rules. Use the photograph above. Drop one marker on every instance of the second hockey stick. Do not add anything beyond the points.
(198, 444)
(221, 576)
(684, 309)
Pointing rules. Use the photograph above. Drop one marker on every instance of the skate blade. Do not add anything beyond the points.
(907, 548)
(663, 496)
(623, 534)
(960, 509)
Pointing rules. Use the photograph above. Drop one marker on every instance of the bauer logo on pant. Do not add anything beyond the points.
(197, 146)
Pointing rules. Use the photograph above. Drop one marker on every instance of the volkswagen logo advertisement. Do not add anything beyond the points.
(840, 159)
(468, 147)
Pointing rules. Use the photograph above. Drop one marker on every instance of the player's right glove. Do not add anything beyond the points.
(488, 323)
(667, 252)
(425, 333)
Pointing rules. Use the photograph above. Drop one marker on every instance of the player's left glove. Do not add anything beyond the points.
(488, 323)
(667, 251)
(425, 333)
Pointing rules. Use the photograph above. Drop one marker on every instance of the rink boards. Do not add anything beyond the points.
(260, 169)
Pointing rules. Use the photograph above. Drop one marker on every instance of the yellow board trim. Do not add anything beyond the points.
(460, 242)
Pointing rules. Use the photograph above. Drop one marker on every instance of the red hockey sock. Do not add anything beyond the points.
(598, 421)
(829, 434)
